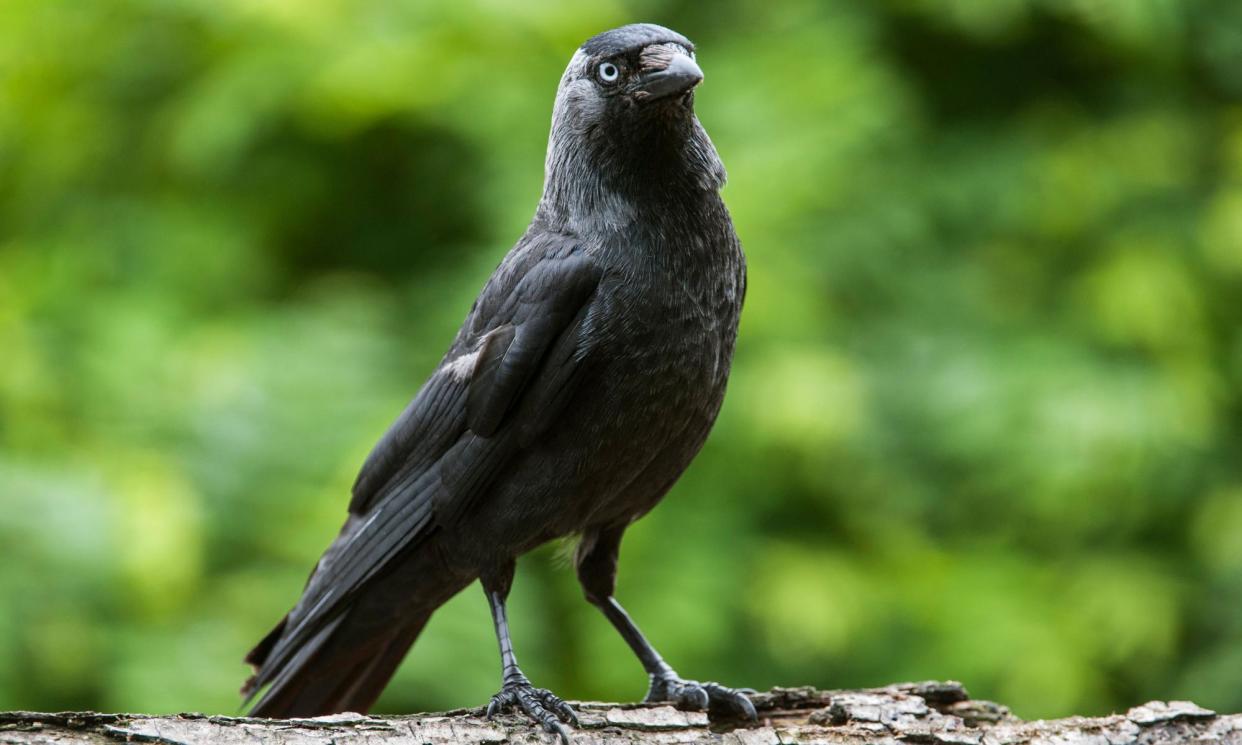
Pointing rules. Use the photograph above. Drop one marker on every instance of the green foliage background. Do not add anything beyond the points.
(984, 423)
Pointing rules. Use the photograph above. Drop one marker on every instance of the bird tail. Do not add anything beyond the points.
(331, 673)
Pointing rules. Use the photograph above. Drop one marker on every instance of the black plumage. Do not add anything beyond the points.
(583, 381)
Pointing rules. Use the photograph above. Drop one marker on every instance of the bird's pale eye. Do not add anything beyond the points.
(609, 72)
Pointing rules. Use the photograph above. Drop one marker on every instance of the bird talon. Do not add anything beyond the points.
(566, 712)
(560, 731)
(539, 705)
(695, 696)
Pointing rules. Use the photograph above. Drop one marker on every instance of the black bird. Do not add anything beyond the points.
(582, 383)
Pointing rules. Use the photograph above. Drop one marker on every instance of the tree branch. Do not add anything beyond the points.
(930, 713)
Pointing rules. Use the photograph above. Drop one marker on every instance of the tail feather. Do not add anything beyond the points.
(348, 658)
(258, 656)
(285, 696)
(370, 683)
(332, 674)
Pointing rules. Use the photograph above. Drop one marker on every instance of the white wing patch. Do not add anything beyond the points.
(461, 368)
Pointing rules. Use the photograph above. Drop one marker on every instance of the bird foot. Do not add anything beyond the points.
(696, 696)
(540, 704)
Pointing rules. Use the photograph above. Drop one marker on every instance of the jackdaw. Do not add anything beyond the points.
(584, 380)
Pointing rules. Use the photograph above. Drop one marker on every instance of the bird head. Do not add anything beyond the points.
(633, 71)
(624, 117)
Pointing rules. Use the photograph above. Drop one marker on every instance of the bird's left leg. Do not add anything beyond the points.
(596, 562)
(516, 691)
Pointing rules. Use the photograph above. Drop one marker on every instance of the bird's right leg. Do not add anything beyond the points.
(516, 691)
(596, 562)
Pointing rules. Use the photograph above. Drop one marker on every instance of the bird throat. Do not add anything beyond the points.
(664, 165)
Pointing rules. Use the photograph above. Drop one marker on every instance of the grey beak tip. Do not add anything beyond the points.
(687, 68)
(682, 74)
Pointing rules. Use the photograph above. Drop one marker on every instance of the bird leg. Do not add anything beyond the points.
(516, 691)
(666, 685)
(597, 569)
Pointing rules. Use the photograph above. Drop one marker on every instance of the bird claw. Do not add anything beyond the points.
(696, 696)
(539, 704)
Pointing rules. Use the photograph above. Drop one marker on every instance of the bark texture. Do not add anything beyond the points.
(916, 713)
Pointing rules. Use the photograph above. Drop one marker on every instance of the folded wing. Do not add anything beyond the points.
(512, 367)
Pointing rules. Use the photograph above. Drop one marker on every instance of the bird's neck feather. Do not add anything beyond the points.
(591, 185)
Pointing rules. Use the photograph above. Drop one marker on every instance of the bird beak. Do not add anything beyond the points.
(681, 74)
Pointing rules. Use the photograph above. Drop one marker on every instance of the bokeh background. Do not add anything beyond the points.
(985, 421)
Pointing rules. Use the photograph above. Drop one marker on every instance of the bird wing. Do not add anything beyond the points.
(522, 339)
(512, 366)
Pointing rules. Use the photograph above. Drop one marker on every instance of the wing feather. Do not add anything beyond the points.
(546, 302)
(498, 388)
